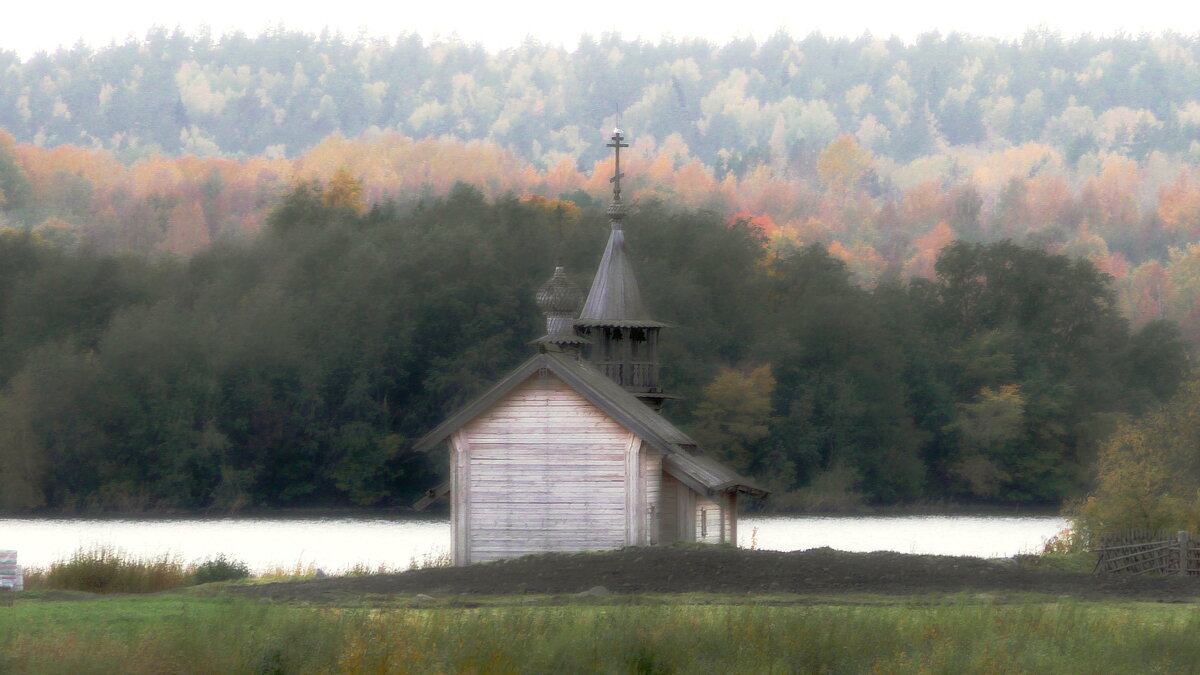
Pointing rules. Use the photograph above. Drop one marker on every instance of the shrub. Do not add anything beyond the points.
(219, 569)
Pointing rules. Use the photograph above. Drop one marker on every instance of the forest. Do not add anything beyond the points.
(881, 150)
(296, 369)
(249, 272)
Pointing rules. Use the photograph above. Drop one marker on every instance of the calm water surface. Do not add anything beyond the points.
(336, 544)
(981, 536)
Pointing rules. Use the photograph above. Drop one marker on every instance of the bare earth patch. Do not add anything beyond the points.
(711, 569)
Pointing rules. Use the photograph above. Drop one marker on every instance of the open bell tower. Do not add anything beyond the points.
(613, 331)
(622, 339)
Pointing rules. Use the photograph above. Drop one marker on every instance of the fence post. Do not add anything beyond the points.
(1183, 552)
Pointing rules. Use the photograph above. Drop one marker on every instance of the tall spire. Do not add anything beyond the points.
(614, 296)
(622, 339)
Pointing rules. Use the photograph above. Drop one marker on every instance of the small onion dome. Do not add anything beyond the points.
(559, 295)
(617, 211)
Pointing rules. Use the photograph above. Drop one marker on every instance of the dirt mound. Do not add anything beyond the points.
(711, 569)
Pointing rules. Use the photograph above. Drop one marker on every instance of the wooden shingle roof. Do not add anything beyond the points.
(614, 299)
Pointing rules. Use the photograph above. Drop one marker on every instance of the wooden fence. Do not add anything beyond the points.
(1145, 552)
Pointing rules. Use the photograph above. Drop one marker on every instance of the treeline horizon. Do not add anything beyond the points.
(1139, 223)
(297, 368)
(882, 151)
(735, 105)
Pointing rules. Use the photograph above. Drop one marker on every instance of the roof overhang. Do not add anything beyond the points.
(623, 323)
(708, 476)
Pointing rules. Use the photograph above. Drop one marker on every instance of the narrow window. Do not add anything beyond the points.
(703, 523)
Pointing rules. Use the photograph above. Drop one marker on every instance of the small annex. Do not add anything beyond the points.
(569, 451)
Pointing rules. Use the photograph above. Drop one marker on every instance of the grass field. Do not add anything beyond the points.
(198, 630)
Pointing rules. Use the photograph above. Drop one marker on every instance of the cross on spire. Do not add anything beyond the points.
(616, 145)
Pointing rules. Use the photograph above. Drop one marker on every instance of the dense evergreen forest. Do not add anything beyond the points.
(298, 368)
(251, 271)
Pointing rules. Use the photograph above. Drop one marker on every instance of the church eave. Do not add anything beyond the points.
(623, 323)
(561, 340)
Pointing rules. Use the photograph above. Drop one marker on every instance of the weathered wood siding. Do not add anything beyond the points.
(686, 515)
(545, 470)
(731, 517)
(651, 479)
(709, 521)
(668, 510)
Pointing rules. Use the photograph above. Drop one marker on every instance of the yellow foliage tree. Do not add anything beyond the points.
(345, 191)
(1148, 472)
(735, 412)
(1179, 204)
(843, 163)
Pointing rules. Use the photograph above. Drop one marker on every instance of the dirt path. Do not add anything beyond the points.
(725, 570)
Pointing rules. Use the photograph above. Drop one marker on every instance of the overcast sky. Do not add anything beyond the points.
(28, 27)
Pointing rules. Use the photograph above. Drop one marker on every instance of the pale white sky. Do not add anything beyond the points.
(28, 27)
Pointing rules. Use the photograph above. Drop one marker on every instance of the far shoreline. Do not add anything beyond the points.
(441, 514)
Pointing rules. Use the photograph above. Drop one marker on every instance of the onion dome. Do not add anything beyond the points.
(560, 300)
(559, 295)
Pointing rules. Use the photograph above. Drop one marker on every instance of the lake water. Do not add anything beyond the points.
(336, 544)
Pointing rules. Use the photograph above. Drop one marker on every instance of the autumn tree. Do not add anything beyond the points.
(1148, 471)
(842, 165)
(345, 191)
(735, 413)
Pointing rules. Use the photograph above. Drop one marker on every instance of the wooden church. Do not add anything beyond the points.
(569, 452)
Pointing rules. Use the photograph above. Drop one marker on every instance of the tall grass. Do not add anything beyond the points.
(437, 557)
(215, 635)
(104, 569)
(107, 570)
(298, 570)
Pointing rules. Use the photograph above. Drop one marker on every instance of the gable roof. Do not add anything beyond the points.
(701, 473)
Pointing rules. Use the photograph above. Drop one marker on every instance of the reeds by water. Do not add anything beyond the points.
(103, 569)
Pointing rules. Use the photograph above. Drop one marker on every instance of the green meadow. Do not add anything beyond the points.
(205, 630)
